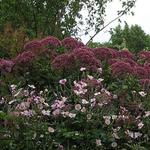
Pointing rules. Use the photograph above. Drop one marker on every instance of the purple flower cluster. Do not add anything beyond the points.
(6, 66)
(144, 55)
(140, 72)
(24, 58)
(86, 58)
(121, 68)
(113, 60)
(79, 57)
(32, 45)
(38, 46)
(126, 60)
(71, 43)
(51, 41)
(105, 53)
(63, 61)
(130, 61)
(147, 68)
(125, 54)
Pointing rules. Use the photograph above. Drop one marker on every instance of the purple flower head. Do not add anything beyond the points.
(121, 68)
(6, 66)
(79, 57)
(144, 55)
(130, 61)
(126, 60)
(51, 41)
(71, 43)
(140, 72)
(82, 54)
(85, 58)
(112, 61)
(147, 64)
(32, 45)
(63, 61)
(24, 58)
(114, 53)
(105, 53)
(147, 68)
(125, 54)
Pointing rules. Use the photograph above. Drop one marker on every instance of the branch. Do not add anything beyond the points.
(105, 27)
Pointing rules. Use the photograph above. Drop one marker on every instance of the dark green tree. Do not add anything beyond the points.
(57, 17)
(132, 38)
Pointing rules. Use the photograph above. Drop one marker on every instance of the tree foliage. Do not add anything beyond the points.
(132, 38)
(56, 17)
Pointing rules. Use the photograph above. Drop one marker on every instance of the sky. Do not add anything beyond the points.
(141, 18)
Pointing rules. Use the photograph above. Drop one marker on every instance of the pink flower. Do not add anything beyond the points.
(46, 112)
(58, 104)
(80, 87)
(28, 113)
(84, 101)
(147, 114)
(83, 109)
(99, 70)
(56, 112)
(65, 114)
(72, 115)
(142, 93)
(98, 142)
(23, 106)
(133, 135)
(60, 147)
(15, 113)
(62, 81)
(140, 125)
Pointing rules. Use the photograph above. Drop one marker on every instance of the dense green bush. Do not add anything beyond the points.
(64, 95)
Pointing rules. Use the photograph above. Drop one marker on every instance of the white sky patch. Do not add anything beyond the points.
(141, 18)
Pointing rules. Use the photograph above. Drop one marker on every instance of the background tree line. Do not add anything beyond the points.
(59, 18)
(132, 38)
